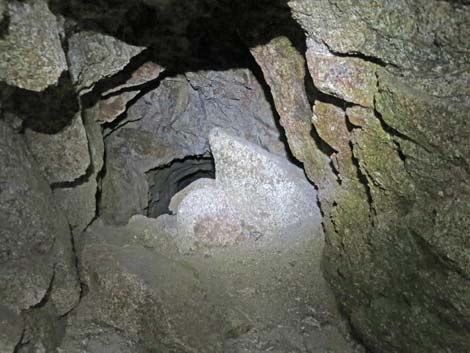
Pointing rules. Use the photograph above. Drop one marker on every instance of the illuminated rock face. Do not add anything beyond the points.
(395, 114)
(206, 218)
(254, 192)
(268, 192)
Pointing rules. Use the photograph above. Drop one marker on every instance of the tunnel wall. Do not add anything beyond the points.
(392, 81)
(386, 142)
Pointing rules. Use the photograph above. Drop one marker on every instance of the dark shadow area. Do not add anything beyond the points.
(48, 111)
(211, 35)
(164, 182)
(185, 35)
(180, 35)
(4, 24)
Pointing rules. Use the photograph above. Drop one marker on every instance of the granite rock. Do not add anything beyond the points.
(94, 56)
(206, 218)
(31, 55)
(138, 298)
(80, 201)
(37, 259)
(63, 157)
(267, 192)
(397, 87)
(179, 196)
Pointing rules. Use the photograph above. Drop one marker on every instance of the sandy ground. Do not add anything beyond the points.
(273, 294)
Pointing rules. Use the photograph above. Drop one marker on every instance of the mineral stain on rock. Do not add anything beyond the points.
(242, 177)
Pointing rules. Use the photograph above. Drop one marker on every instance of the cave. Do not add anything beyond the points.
(207, 176)
(165, 182)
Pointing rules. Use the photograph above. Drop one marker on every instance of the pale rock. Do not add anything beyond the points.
(266, 191)
(206, 219)
(179, 197)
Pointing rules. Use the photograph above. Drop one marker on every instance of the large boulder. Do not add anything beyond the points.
(254, 193)
(137, 298)
(37, 264)
(267, 191)
(31, 55)
(206, 218)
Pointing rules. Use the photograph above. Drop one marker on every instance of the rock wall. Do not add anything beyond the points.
(37, 258)
(172, 122)
(392, 105)
(374, 103)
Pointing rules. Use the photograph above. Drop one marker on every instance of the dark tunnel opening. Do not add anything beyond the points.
(166, 181)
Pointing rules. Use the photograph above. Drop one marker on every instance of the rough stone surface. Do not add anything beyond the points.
(80, 201)
(380, 29)
(147, 72)
(137, 297)
(284, 69)
(114, 103)
(396, 251)
(267, 191)
(94, 56)
(11, 329)
(172, 122)
(158, 234)
(207, 218)
(351, 79)
(64, 156)
(37, 263)
(31, 55)
(96, 338)
(280, 61)
(178, 197)
(387, 148)
(108, 109)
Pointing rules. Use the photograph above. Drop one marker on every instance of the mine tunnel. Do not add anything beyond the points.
(208, 176)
